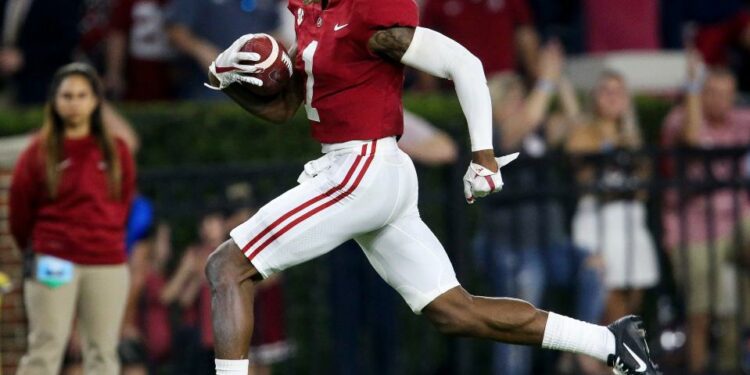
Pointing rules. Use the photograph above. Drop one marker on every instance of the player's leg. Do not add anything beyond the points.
(232, 278)
(510, 320)
(303, 223)
(409, 257)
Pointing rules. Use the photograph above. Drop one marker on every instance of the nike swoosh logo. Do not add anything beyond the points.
(338, 27)
(641, 364)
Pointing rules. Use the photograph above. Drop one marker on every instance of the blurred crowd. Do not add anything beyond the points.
(166, 327)
(167, 323)
(607, 253)
(148, 50)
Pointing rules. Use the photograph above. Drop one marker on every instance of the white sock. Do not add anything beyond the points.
(232, 366)
(571, 335)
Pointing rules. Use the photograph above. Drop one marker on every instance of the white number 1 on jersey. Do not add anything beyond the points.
(307, 57)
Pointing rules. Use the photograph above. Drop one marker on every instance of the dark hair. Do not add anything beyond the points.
(53, 131)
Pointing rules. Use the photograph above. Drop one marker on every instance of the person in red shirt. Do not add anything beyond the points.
(499, 32)
(138, 52)
(350, 59)
(69, 200)
(715, 40)
(610, 25)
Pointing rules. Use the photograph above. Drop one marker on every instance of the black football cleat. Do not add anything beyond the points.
(632, 356)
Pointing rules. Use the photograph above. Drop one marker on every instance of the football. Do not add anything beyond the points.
(275, 62)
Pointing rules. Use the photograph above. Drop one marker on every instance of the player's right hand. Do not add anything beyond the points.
(480, 181)
(231, 65)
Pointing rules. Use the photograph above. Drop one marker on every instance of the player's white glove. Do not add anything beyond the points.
(228, 67)
(480, 181)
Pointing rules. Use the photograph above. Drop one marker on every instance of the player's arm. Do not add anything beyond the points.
(277, 109)
(233, 66)
(440, 56)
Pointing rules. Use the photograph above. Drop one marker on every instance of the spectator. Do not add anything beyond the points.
(719, 30)
(150, 273)
(188, 289)
(708, 120)
(120, 127)
(615, 25)
(139, 213)
(493, 30)
(193, 30)
(132, 348)
(38, 37)
(363, 315)
(193, 343)
(139, 52)
(722, 35)
(718, 27)
(69, 200)
(425, 143)
(522, 250)
(611, 216)
(268, 345)
(561, 20)
(93, 27)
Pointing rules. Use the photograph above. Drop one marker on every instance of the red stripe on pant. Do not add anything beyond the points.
(492, 183)
(314, 211)
(306, 204)
(312, 201)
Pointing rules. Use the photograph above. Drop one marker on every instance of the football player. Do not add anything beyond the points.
(349, 70)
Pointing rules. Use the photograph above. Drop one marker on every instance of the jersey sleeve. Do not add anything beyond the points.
(383, 14)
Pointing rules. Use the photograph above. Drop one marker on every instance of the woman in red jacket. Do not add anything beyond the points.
(69, 200)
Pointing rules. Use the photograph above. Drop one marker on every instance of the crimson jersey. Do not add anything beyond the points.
(350, 93)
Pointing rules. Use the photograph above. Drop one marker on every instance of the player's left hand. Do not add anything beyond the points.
(232, 65)
(480, 181)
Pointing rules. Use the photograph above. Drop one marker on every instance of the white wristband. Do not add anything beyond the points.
(695, 85)
(545, 86)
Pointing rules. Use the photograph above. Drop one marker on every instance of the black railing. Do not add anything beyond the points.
(536, 191)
